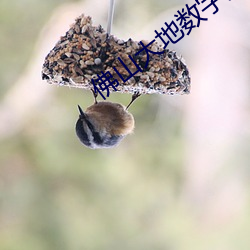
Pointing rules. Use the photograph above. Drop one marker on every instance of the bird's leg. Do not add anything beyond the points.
(95, 94)
(134, 97)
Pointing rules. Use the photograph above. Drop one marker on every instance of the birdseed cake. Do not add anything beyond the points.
(87, 51)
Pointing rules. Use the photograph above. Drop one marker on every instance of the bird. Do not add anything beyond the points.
(104, 124)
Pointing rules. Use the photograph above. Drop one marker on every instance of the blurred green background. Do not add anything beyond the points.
(181, 181)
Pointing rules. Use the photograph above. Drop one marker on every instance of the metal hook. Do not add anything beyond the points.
(110, 16)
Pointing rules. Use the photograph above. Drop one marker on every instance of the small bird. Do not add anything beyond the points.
(104, 124)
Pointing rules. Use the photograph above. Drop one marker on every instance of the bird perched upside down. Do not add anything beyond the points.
(104, 124)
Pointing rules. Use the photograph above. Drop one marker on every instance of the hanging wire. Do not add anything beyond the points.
(110, 16)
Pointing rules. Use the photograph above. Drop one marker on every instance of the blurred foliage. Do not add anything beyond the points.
(20, 23)
(56, 194)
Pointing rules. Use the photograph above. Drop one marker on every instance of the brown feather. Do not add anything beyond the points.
(111, 117)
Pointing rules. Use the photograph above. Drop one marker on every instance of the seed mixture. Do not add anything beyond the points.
(86, 51)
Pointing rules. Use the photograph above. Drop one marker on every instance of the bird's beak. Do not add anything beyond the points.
(82, 115)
